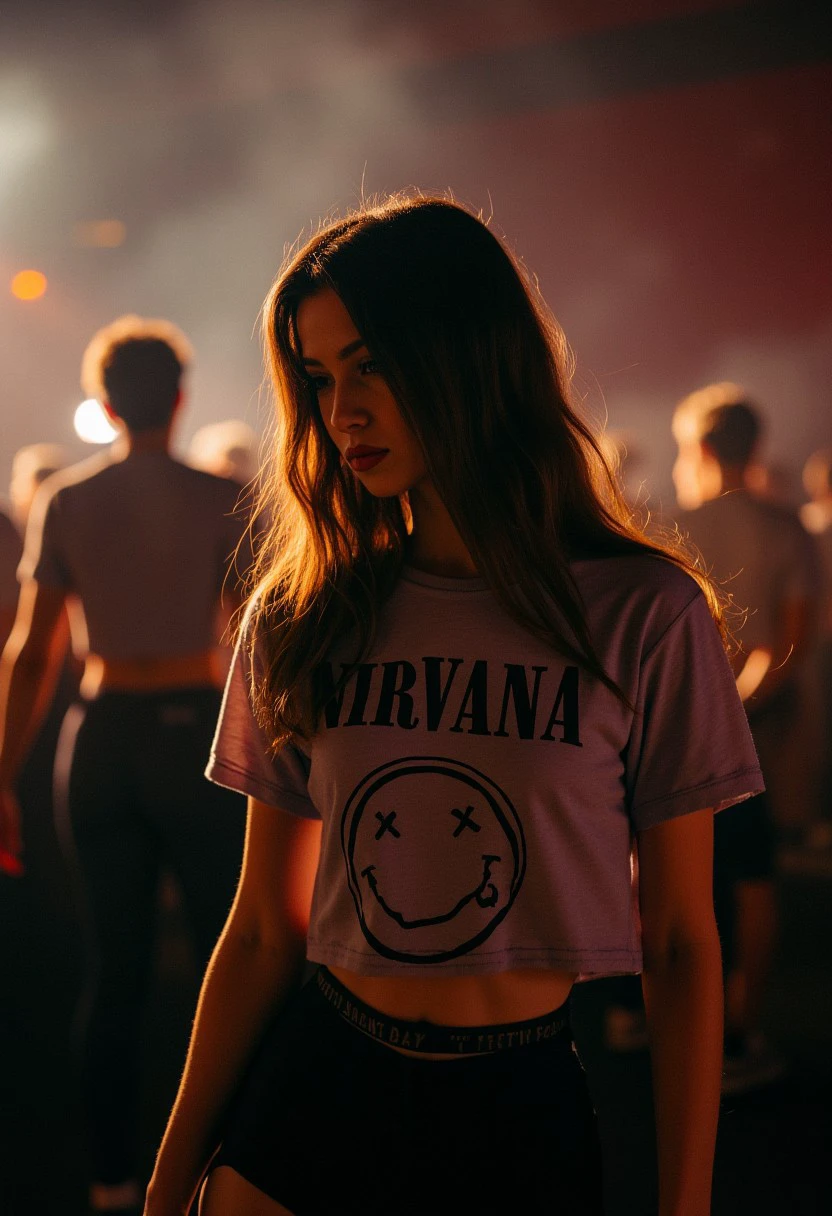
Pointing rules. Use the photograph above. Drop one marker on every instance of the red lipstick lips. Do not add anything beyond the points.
(361, 457)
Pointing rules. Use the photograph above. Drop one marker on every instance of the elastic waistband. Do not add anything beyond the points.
(428, 1036)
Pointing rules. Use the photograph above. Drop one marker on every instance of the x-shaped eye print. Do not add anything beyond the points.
(464, 817)
(386, 822)
(465, 820)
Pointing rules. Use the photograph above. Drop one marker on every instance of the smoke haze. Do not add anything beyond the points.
(666, 173)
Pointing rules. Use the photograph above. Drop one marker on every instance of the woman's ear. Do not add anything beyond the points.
(111, 414)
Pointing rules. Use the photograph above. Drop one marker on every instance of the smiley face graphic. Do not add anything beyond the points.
(435, 856)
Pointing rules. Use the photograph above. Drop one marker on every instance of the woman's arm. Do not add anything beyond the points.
(682, 983)
(254, 967)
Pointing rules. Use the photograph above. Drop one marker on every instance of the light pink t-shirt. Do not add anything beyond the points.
(480, 794)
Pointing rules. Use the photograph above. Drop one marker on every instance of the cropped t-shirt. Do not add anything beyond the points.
(145, 544)
(480, 793)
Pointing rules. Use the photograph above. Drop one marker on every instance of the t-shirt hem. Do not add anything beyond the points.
(718, 794)
(586, 964)
(220, 772)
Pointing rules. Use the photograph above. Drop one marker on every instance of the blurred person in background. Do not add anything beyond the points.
(11, 549)
(10, 552)
(760, 555)
(228, 449)
(41, 953)
(816, 515)
(777, 481)
(31, 466)
(139, 546)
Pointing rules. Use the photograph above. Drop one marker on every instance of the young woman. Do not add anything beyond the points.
(465, 686)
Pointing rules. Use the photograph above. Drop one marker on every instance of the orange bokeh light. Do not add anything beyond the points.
(28, 285)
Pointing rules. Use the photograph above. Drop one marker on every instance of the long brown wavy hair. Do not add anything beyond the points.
(480, 371)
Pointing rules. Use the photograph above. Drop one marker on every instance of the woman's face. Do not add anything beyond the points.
(358, 409)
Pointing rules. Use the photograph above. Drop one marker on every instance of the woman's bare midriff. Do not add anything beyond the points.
(461, 1000)
(200, 670)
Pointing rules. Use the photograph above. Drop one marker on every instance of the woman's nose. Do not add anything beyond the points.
(347, 414)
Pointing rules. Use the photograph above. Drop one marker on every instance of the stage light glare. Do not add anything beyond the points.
(28, 285)
(92, 424)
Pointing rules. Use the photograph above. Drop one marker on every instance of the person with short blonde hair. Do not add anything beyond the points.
(134, 367)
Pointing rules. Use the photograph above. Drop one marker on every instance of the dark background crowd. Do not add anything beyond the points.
(663, 167)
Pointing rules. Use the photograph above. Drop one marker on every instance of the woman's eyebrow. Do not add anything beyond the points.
(345, 353)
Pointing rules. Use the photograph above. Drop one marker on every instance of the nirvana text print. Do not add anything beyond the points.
(435, 856)
(504, 700)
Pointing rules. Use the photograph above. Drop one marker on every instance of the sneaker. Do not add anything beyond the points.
(750, 1063)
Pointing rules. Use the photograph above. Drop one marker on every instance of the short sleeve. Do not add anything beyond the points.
(240, 756)
(10, 548)
(43, 556)
(690, 746)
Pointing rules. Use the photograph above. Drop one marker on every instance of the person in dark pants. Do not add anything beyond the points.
(765, 561)
(10, 549)
(138, 546)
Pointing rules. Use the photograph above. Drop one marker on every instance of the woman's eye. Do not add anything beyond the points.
(368, 367)
(318, 383)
